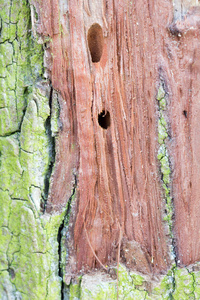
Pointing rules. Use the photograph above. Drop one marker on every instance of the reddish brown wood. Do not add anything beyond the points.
(119, 182)
(184, 79)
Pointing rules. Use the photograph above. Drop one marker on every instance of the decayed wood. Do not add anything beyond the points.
(119, 182)
(183, 76)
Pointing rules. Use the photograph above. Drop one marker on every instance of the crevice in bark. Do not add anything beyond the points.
(165, 167)
(52, 154)
(193, 281)
(172, 286)
(9, 134)
(11, 272)
(60, 236)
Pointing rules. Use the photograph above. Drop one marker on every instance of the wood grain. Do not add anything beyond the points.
(119, 179)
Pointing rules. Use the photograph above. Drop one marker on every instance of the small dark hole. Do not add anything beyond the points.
(185, 113)
(95, 42)
(104, 119)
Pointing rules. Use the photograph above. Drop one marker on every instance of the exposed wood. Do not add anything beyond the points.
(119, 181)
(183, 77)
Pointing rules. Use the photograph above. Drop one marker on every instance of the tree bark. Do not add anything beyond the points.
(99, 149)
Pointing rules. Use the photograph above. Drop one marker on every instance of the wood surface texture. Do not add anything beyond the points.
(119, 184)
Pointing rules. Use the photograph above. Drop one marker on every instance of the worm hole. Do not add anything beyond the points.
(185, 113)
(95, 42)
(104, 119)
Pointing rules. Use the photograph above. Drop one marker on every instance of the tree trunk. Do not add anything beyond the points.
(99, 150)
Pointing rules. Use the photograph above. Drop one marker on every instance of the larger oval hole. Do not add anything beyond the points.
(95, 42)
(104, 119)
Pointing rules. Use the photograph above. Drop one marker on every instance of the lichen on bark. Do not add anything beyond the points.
(163, 157)
(176, 284)
(29, 248)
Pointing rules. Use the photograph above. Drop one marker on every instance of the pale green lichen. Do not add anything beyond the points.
(97, 287)
(184, 283)
(21, 63)
(163, 156)
(161, 151)
(176, 284)
(137, 279)
(28, 240)
(7, 289)
(163, 104)
(196, 278)
(74, 289)
(160, 93)
(162, 131)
